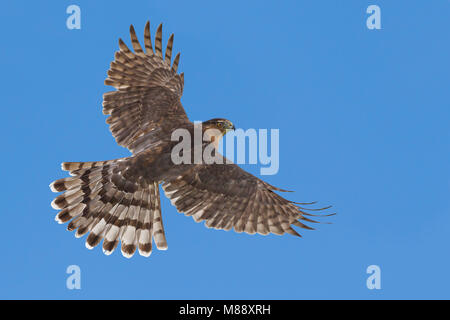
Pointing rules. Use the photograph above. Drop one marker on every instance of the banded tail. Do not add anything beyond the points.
(99, 200)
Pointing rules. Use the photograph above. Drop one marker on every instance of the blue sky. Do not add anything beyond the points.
(363, 118)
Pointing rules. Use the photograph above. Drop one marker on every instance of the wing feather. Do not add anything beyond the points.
(226, 197)
(148, 92)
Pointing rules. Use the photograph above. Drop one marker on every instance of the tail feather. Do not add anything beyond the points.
(69, 213)
(129, 237)
(99, 200)
(73, 166)
(86, 178)
(158, 230)
(145, 225)
(116, 225)
(94, 205)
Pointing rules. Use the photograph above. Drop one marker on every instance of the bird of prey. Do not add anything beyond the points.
(119, 200)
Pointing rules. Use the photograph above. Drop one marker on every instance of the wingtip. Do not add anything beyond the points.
(278, 189)
(316, 209)
(283, 190)
(304, 203)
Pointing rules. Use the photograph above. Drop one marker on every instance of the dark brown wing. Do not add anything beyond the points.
(227, 197)
(146, 105)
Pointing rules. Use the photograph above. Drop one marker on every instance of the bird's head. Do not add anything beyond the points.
(223, 125)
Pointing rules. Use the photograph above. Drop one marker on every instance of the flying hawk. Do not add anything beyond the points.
(119, 199)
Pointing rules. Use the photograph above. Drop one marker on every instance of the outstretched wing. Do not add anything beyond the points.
(227, 197)
(146, 105)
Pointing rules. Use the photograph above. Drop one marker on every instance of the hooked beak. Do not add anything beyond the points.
(230, 128)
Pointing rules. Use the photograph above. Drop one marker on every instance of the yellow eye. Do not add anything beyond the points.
(220, 125)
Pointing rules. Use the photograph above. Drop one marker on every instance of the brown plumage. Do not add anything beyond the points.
(119, 201)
